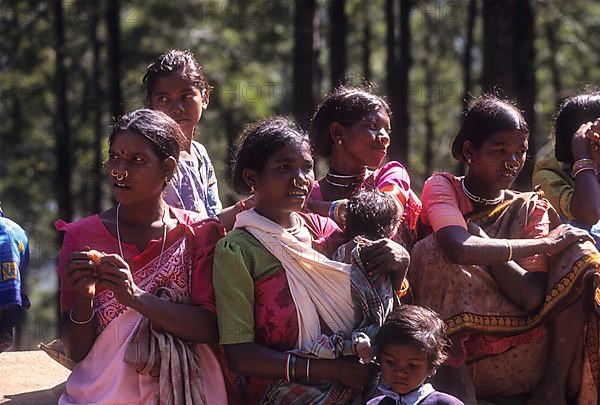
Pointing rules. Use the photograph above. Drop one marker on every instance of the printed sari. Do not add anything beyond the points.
(185, 268)
(504, 346)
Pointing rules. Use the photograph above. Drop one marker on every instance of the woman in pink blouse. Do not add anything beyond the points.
(506, 277)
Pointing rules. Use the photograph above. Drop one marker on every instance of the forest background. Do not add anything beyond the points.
(68, 67)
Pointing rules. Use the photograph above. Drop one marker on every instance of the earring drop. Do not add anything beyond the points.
(469, 161)
(339, 141)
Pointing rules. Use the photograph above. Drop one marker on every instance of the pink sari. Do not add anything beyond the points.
(103, 377)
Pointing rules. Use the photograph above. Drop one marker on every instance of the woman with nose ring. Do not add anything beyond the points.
(486, 270)
(119, 175)
(145, 285)
(351, 128)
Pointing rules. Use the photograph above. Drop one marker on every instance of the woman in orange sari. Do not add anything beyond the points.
(510, 309)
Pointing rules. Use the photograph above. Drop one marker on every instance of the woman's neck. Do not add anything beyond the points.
(143, 214)
(187, 143)
(286, 220)
(481, 189)
(345, 166)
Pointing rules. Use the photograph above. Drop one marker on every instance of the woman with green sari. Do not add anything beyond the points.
(513, 285)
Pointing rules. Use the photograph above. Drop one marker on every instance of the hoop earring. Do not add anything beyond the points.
(252, 189)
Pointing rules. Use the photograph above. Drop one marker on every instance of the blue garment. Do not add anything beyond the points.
(14, 257)
(424, 395)
(194, 186)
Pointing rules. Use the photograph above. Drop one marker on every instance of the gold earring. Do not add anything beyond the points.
(252, 189)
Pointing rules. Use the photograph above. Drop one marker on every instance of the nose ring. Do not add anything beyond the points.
(295, 183)
(119, 176)
(511, 165)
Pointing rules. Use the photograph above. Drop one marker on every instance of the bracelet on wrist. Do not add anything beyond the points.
(584, 168)
(510, 251)
(287, 367)
(76, 322)
(583, 164)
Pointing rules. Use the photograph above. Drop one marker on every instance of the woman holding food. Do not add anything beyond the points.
(140, 272)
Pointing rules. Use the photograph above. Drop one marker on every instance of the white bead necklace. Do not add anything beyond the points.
(481, 200)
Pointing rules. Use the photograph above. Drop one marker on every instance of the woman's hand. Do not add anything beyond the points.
(593, 136)
(81, 276)
(384, 255)
(564, 236)
(115, 275)
(353, 373)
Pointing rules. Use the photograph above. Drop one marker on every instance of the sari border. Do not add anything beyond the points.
(497, 324)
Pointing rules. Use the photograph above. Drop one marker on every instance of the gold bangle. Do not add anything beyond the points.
(510, 252)
(76, 322)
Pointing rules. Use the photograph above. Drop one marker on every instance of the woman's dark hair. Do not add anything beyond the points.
(259, 142)
(164, 134)
(345, 105)
(176, 61)
(419, 326)
(487, 116)
(572, 113)
(372, 214)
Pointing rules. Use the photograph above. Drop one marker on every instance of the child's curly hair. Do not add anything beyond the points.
(419, 326)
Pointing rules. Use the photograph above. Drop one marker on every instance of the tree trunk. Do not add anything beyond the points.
(113, 19)
(508, 63)
(401, 117)
(304, 75)
(63, 142)
(366, 42)
(467, 65)
(97, 176)
(390, 46)
(468, 55)
(428, 155)
(553, 44)
(337, 41)
(61, 128)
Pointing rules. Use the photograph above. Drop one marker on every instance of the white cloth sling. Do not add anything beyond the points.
(319, 286)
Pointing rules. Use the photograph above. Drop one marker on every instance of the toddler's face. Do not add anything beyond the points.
(404, 367)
